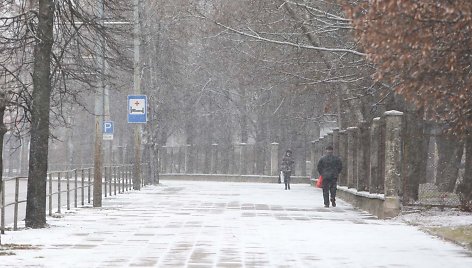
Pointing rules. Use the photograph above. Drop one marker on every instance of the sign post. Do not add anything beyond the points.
(137, 114)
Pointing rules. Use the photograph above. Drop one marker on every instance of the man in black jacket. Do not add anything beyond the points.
(329, 167)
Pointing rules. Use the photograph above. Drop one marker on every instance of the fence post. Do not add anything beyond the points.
(89, 184)
(110, 179)
(105, 180)
(214, 158)
(274, 159)
(120, 175)
(115, 173)
(171, 162)
(128, 175)
(313, 158)
(50, 194)
(323, 142)
(75, 189)
(329, 140)
(393, 154)
(163, 159)
(124, 178)
(374, 175)
(68, 189)
(352, 139)
(15, 215)
(336, 141)
(82, 190)
(243, 158)
(59, 192)
(363, 157)
(343, 145)
(3, 206)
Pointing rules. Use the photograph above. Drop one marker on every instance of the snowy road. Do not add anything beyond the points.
(211, 224)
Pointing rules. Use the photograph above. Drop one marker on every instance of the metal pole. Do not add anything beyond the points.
(50, 194)
(59, 192)
(99, 113)
(137, 91)
(17, 190)
(75, 188)
(68, 189)
(82, 190)
(3, 206)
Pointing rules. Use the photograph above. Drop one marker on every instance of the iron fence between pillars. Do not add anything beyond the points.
(116, 179)
(260, 158)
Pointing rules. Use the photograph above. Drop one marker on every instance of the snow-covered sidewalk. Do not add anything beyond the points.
(213, 224)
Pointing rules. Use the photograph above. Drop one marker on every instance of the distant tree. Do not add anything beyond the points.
(422, 48)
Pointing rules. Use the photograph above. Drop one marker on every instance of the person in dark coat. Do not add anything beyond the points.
(329, 167)
(286, 167)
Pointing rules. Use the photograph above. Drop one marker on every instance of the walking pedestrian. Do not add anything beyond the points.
(286, 167)
(329, 167)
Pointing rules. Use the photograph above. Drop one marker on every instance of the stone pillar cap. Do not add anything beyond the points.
(393, 112)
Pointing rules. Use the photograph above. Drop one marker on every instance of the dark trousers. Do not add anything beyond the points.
(329, 187)
(287, 179)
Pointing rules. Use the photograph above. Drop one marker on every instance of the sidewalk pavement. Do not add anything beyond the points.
(213, 224)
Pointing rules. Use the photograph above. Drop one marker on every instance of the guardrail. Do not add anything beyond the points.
(116, 179)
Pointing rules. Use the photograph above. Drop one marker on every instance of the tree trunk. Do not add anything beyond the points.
(38, 163)
(450, 151)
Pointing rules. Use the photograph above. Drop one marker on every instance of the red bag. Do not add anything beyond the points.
(319, 182)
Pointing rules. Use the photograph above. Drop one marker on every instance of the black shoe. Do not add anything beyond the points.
(333, 203)
(326, 206)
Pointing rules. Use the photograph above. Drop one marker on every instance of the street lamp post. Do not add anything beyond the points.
(137, 91)
(99, 118)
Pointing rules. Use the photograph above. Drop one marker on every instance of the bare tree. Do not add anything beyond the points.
(48, 43)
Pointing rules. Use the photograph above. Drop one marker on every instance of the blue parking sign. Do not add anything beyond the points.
(137, 109)
(108, 129)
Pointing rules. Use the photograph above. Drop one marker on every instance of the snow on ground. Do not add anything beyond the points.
(436, 217)
(212, 224)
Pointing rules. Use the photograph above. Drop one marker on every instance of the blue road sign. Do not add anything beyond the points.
(108, 129)
(137, 112)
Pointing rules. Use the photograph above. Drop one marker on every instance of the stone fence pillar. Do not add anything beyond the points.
(163, 155)
(214, 158)
(363, 157)
(314, 159)
(393, 154)
(170, 153)
(329, 140)
(342, 179)
(336, 141)
(187, 159)
(352, 140)
(321, 148)
(274, 159)
(243, 158)
(374, 176)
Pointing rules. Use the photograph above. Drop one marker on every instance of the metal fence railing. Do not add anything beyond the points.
(72, 186)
